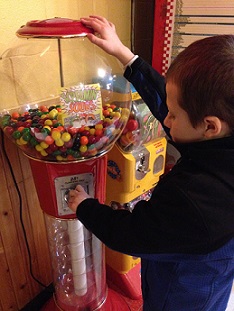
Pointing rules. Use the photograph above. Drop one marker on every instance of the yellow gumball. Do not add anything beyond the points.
(92, 131)
(117, 115)
(59, 158)
(53, 113)
(59, 142)
(22, 141)
(99, 126)
(66, 137)
(44, 153)
(38, 148)
(125, 112)
(83, 148)
(44, 145)
(48, 122)
(56, 134)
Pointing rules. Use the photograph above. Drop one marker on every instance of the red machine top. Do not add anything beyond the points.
(53, 28)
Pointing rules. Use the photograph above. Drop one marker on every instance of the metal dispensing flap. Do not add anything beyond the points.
(54, 28)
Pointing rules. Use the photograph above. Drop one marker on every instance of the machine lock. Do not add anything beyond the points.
(142, 163)
(66, 194)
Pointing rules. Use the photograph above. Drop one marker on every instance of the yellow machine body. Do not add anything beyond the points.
(130, 175)
(134, 167)
(125, 188)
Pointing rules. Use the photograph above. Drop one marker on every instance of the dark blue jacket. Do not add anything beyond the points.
(185, 233)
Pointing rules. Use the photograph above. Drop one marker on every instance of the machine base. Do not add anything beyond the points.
(129, 283)
(114, 302)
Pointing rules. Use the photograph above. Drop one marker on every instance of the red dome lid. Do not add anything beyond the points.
(54, 28)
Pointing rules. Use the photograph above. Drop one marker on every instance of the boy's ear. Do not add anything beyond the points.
(214, 127)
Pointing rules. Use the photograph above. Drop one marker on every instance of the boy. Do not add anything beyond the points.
(185, 233)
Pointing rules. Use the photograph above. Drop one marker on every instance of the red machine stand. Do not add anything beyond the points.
(66, 125)
(92, 175)
(128, 282)
(114, 302)
(57, 178)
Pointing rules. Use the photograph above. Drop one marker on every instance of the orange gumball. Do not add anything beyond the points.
(84, 140)
(15, 115)
(21, 128)
(60, 128)
(106, 113)
(49, 140)
(43, 108)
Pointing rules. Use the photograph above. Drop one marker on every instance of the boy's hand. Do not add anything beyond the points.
(107, 38)
(76, 197)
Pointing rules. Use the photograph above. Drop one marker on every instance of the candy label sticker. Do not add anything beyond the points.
(113, 170)
(82, 105)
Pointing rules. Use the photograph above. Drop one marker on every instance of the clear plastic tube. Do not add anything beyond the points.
(78, 265)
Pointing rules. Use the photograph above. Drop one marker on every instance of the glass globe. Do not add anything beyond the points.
(62, 98)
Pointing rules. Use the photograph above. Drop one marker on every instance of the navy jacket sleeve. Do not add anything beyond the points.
(151, 87)
(190, 210)
(151, 228)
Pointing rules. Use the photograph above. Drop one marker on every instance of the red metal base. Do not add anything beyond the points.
(129, 283)
(51, 171)
(114, 302)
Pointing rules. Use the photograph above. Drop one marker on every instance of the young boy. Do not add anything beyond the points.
(185, 233)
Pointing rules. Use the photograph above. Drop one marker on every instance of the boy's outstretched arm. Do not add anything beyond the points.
(106, 38)
(147, 81)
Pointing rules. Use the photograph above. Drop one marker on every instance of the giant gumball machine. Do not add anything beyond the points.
(135, 165)
(56, 114)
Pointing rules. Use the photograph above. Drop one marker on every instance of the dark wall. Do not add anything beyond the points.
(142, 28)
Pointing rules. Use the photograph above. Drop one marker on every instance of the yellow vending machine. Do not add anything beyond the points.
(134, 167)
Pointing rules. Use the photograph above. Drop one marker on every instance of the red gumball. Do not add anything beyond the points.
(53, 147)
(63, 148)
(97, 138)
(132, 125)
(92, 139)
(8, 130)
(48, 150)
(85, 133)
(72, 130)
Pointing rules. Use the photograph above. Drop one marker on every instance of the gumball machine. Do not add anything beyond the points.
(56, 87)
(134, 167)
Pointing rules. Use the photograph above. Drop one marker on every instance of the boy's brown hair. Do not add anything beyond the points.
(204, 74)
